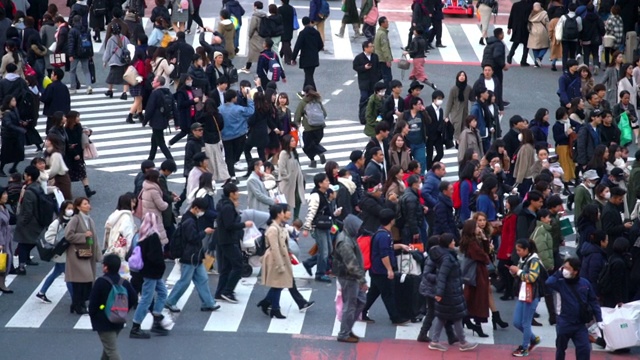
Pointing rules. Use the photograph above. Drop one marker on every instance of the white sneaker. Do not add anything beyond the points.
(89, 90)
(244, 70)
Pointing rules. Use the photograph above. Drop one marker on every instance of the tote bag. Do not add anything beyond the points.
(371, 18)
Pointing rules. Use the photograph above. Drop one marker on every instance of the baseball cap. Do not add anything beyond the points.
(195, 126)
(617, 173)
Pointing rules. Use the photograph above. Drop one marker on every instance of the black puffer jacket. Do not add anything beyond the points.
(592, 28)
(151, 249)
(194, 146)
(449, 286)
(430, 273)
(192, 236)
(230, 226)
(370, 208)
(412, 214)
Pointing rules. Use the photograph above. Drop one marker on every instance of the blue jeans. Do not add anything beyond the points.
(149, 288)
(58, 269)
(273, 296)
(323, 240)
(198, 274)
(539, 53)
(522, 317)
(236, 39)
(419, 153)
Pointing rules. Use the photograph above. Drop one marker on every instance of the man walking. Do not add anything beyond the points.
(318, 14)
(235, 128)
(308, 45)
(382, 48)
(494, 54)
(348, 266)
(55, 97)
(367, 65)
(570, 27)
(435, 8)
(435, 129)
(79, 54)
(518, 23)
(157, 118)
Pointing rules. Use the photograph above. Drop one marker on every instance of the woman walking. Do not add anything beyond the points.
(529, 272)
(538, 35)
(212, 124)
(276, 264)
(113, 57)
(12, 135)
(526, 156)
(195, 16)
(291, 179)
(6, 239)
(54, 234)
(82, 255)
(612, 76)
(58, 170)
(152, 200)
(120, 230)
(350, 16)
(139, 63)
(416, 51)
(484, 9)
(161, 66)
(180, 13)
(613, 28)
(564, 133)
(469, 138)
(457, 108)
(74, 156)
(399, 152)
(186, 100)
(262, 120)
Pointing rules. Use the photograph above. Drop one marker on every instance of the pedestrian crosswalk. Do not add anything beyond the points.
(461, 40)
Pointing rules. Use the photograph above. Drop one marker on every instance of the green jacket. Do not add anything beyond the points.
(301, 118)
(581, 198)
(374, 108)
(633, 188)
(381, 45)
(542, 237)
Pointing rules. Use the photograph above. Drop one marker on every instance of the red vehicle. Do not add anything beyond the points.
(459, 7)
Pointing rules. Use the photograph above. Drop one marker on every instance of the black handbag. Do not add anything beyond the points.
(323, 222)
(45, 250)
(61, 247)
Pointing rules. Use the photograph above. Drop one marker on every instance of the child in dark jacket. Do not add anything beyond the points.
(108, 331)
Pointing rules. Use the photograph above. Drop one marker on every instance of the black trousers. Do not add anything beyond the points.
(591, 50)
(232, 150)
(229, 259)
(382, 286)
(525, 51)
(157, 140)
(308, 77)
(435, 32)
(569, 49)
(195, 17)
(182, 133)
(80, 293)
(312, 141)
(285, 52)
(438, 144)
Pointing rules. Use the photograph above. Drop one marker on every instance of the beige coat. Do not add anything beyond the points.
(162, 67)
(457, 110)
(81, 270)
(401, 160)
(228, 32)
(152, 202)
(523, 168)
(255, 40)
(538, 33)
(276, 264)
(556, 46)
(469, 139)
(290, 177)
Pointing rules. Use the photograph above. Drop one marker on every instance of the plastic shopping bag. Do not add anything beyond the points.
(338, 301)
(250, 236)
(621, 326)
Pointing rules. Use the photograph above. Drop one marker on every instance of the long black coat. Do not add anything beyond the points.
(184, 108)
(183, 53)
(629, 14)
(259, 125)
(367, 78)
(286, 11)
(518, 21)
(452, 306)
(308, 45)
(12, 137)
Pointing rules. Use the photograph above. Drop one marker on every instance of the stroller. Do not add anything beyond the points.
(250, 256)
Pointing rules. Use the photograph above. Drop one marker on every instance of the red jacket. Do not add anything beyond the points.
(508, 237)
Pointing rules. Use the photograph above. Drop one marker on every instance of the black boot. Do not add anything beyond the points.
(423, 337)
(88, 191)
(277, 314)
(157, 327)
(137, 333)
(566, 190)
(130, 119)
(264, 305)
(496, 320)
(475, 328)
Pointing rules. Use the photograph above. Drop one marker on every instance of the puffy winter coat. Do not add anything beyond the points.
(452, 306)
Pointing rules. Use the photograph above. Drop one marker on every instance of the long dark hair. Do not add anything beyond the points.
(124, 201)
(206, 180)
(6, 102)
(152, 176)
(285, 141)
(391, 177)
(468, 235)
(597, 161)
(262, 104)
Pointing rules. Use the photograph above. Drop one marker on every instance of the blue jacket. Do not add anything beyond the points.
(430, 190)
(381, 247)
(568, 320)
(478, 112)
(235, 119)
(487, 206)
(593, 260)
(466, 191)
(444, 221)
(357, 179)
(569, 87)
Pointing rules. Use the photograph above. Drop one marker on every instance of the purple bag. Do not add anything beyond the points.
(135, 261)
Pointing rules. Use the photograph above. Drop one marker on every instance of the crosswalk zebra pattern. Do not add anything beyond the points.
(461, 41)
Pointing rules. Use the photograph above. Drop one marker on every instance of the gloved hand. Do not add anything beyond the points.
(601, 325)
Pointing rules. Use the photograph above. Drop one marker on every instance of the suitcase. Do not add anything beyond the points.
(409, 302)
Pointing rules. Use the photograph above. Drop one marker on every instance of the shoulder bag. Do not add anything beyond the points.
(323, 221)
(586, 312)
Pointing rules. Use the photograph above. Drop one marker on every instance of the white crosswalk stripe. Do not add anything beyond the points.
(461, 41)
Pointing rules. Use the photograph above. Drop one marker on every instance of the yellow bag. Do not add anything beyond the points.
(208, 261)
(3, 262)
(166, 40)
(46, 81)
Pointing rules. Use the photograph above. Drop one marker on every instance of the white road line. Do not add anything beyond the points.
(228, 318)
(473, 33)
(336, 92)
(349, 82)
(295, 319)
(449, 53)
(341, 46)
(34, 312)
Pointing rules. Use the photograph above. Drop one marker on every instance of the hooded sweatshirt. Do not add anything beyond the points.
(347, 258)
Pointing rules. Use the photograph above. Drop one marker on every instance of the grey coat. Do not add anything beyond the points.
(290, 177)
(457, 110)
(258, 196)
(27, 227)
(76, 269)
(48, 36)
(255, 40)
(347, 257)
(610, 81)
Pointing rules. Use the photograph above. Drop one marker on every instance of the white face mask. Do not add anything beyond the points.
(607, 195)
(349, 177)
(189, 83)
(520, 137)
(381, 92)
(68, 213)
(566, 274)
(262, 169)
(199, 214)
(591, 185)
(438, 102)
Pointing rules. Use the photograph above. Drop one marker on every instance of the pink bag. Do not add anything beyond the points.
(339, 303)
(371, 18)
(137, 212)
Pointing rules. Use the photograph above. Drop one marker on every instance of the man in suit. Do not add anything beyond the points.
(381, 140)
(375, 172)
(55, 97)
(217, 94)
(308, 45)
(435, 129)
(367, 66)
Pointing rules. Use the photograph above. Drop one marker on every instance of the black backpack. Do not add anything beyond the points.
(176, 245)
(168, 104)
(46, 208)
(267, 28)
(261, 245)
(570, 28)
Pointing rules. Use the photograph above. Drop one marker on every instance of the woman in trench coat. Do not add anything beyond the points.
(457, 108)
(256, 42)
(291, 180)
(276, 264)
(538, 33)
(82, 255)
